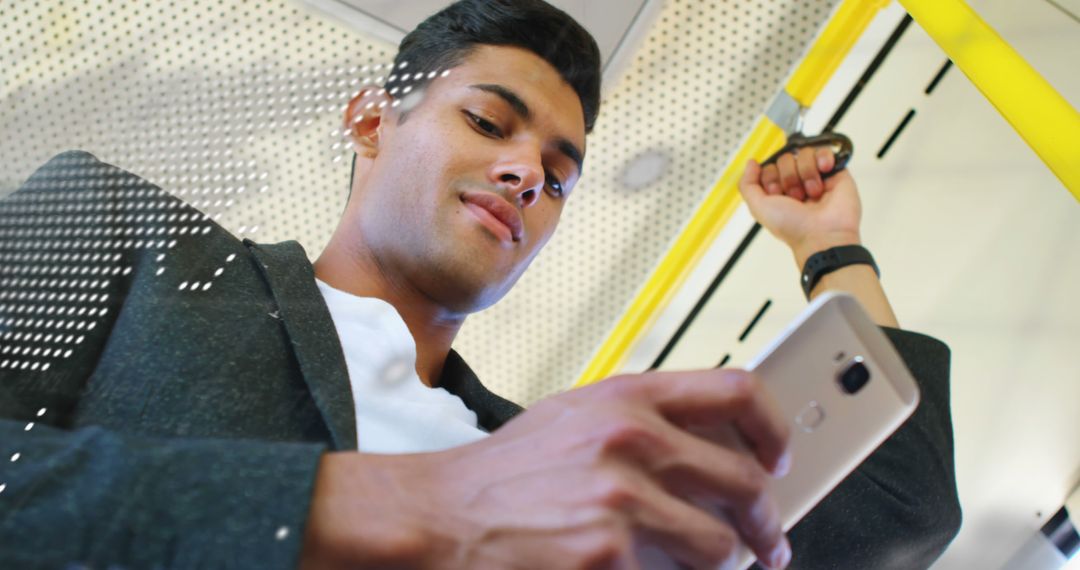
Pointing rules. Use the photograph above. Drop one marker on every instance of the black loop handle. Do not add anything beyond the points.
(841, 145)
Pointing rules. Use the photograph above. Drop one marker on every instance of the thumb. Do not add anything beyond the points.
(750, 185)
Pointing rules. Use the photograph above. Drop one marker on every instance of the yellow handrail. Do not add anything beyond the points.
(1039, 114)
(805, 84)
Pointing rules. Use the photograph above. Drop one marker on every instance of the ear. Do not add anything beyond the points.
(363, 117)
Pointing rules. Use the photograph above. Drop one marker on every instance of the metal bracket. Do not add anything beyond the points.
(786, 113)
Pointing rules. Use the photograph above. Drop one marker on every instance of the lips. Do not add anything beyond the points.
(499, 209)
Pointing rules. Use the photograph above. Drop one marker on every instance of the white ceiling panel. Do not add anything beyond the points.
(615, 24)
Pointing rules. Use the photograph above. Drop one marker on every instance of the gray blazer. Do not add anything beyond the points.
(184, 427)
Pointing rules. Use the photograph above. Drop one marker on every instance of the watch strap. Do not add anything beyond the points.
(824, 262)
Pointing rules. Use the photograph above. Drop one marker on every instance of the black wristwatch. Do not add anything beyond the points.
(824, 262)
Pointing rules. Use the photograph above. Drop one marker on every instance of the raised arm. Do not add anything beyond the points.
(809, 214)
(899, 509)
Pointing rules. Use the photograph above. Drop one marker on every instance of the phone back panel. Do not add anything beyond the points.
(832, 431)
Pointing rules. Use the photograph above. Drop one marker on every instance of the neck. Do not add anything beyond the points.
(348, 266)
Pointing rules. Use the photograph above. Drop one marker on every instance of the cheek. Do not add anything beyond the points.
(543, 223)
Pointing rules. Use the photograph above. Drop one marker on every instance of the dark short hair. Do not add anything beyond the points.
(447, 37)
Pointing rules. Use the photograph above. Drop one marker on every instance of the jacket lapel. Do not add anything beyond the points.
(291, 279)
(314, 340)
(492, 410)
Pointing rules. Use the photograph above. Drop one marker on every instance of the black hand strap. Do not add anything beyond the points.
(840, 144)
(824, 262)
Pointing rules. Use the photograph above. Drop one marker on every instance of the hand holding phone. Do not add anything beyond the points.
(844, 389)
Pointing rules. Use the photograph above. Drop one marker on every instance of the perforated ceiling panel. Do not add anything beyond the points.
(235, 107)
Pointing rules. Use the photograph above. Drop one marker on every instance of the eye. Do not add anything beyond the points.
(485, 125)
(555, 185)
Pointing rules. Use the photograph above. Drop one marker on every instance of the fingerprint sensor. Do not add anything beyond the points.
(810, 417)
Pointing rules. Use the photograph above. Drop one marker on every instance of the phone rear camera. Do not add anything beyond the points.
(854, 377)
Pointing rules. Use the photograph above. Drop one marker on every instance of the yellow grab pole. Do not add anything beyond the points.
(691, 244)
(1039, 114)
(806, 83)
(831, 48)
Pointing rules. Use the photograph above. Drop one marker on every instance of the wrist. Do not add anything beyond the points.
(360, 515)
(821, 242)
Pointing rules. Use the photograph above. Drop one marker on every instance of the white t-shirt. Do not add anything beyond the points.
(395, 411)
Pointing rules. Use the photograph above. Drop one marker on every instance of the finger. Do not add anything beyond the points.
(808, 171)
(684, 531)
(770, 179)
(695, 467)
(750, 186)
(841, 178)
(713, 398)
(826, 160)
(789, 177)
(588, 548)
(589, 538)
(768, 542)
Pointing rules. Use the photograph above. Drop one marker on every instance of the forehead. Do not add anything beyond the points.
(552, 101)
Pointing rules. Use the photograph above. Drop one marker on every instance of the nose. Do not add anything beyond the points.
(522, 175)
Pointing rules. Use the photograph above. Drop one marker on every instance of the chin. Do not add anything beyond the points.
(485, 301)
(462, 293)
(481, 296)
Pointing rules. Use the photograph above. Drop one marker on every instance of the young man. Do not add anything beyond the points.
(220, 427)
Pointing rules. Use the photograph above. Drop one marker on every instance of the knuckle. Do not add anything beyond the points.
(621, 387)
(801, 159)
(752, 480)
(623, 434)
(713, 546)
(604, 551)
(723, 544)
(615, 493)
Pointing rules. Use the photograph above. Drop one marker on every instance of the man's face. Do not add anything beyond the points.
(466, 191)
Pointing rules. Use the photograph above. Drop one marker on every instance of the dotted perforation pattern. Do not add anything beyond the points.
(65, 238)
(236, 107)
(69, 240)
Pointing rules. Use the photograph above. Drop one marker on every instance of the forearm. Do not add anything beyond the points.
(95, 497)
(858, 280)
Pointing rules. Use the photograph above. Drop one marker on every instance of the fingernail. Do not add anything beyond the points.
(781, 556)
(738, 379)
(812, 186)
(783, 466)
(822, 163)
(774, 188)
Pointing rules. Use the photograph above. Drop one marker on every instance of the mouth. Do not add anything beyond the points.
(496, 214)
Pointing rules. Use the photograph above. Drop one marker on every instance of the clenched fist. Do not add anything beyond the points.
(790, 199)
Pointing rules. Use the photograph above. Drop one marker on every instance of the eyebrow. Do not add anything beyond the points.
(522, 110)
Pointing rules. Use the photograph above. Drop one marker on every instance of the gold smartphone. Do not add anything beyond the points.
(837, 378)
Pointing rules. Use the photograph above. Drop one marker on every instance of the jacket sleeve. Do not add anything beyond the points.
(899, 508)
(85, 496)
(103, 499)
